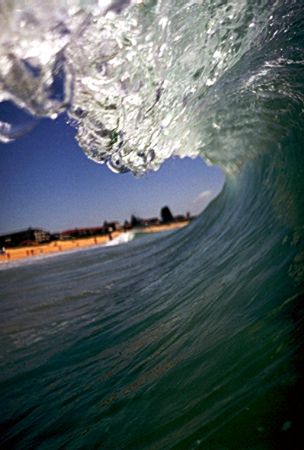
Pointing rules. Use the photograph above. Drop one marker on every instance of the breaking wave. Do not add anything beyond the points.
(200, 346)
(145, 80)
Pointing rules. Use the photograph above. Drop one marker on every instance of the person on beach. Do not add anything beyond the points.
(110, 229)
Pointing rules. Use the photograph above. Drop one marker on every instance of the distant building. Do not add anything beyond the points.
(114, 225)
(25, 237)
(77, 233)
(127, 225)
(150, 222)
(180, 218)
(136, 221)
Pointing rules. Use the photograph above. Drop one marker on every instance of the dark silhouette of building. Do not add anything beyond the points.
(180, 218)
(77, 233)
(115, 226)
(135, 221)
(127, 225)
(25, 237)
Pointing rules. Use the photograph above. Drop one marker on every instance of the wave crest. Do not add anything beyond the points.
(145, 80)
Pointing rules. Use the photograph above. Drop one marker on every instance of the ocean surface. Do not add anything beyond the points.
(190, 339)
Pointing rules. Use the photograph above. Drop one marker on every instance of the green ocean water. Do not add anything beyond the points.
(190, 339)
(184, 340)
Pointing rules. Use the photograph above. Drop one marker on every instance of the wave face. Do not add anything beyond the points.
(191, 339)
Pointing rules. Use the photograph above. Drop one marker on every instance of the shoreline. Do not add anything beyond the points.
(61, 246)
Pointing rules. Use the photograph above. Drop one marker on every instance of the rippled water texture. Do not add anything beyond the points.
(179, 341)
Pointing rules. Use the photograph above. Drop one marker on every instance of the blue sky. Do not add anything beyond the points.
(48, 182)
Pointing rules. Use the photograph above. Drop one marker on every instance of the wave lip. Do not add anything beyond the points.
(141, 85)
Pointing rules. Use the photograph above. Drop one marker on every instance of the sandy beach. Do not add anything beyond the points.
(12, 254)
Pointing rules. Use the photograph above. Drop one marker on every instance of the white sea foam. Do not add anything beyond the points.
(121, 239)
